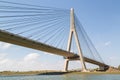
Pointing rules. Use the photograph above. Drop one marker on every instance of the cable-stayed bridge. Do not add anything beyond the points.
(53, 30)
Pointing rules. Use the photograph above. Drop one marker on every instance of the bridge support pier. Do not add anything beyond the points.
(66, 65)
(74, 32)
(102, 68)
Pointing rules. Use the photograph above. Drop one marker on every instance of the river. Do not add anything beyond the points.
(65, 77)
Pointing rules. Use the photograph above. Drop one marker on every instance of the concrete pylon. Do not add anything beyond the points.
(66, 65)
(71, 34)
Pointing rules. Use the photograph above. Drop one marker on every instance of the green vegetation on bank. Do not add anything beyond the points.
(25, 72)
(12, 73)
(111, 70)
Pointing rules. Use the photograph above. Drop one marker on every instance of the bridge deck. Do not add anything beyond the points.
(22, 41)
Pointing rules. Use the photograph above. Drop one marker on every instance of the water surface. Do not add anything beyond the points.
(65, 77)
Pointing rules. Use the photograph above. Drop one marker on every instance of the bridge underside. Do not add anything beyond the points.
(22, 41)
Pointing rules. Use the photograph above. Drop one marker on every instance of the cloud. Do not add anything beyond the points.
(4, 45)
(114, 58)
(4, 61)
(31, 57)
(2, 55)
(27, 63)
(3, 58)
(107, 43)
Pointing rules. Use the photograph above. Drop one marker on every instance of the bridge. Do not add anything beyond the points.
(53, 30)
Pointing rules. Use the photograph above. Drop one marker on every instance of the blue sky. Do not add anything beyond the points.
(100, 19)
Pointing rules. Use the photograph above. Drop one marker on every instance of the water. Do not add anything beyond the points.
(65, 77)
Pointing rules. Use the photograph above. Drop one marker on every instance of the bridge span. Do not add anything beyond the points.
(22, 41)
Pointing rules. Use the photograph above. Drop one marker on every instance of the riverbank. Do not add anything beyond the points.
(111, 70)
(69, 76)
(94, 73)
(11, 73)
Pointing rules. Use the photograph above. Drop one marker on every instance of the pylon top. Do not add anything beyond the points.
(72, 9)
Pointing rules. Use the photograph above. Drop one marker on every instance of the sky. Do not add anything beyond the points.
(101, 21)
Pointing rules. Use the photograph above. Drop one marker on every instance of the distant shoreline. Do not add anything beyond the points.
(12, 73)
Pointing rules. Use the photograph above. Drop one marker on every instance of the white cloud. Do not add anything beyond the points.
(3, 58)
(114, 58)
(27, 63)
(4, 45)
(2, 55)
(107, 43)
(4, 61)
(31, 57)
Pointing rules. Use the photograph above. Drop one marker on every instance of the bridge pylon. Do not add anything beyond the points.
(72, 33)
